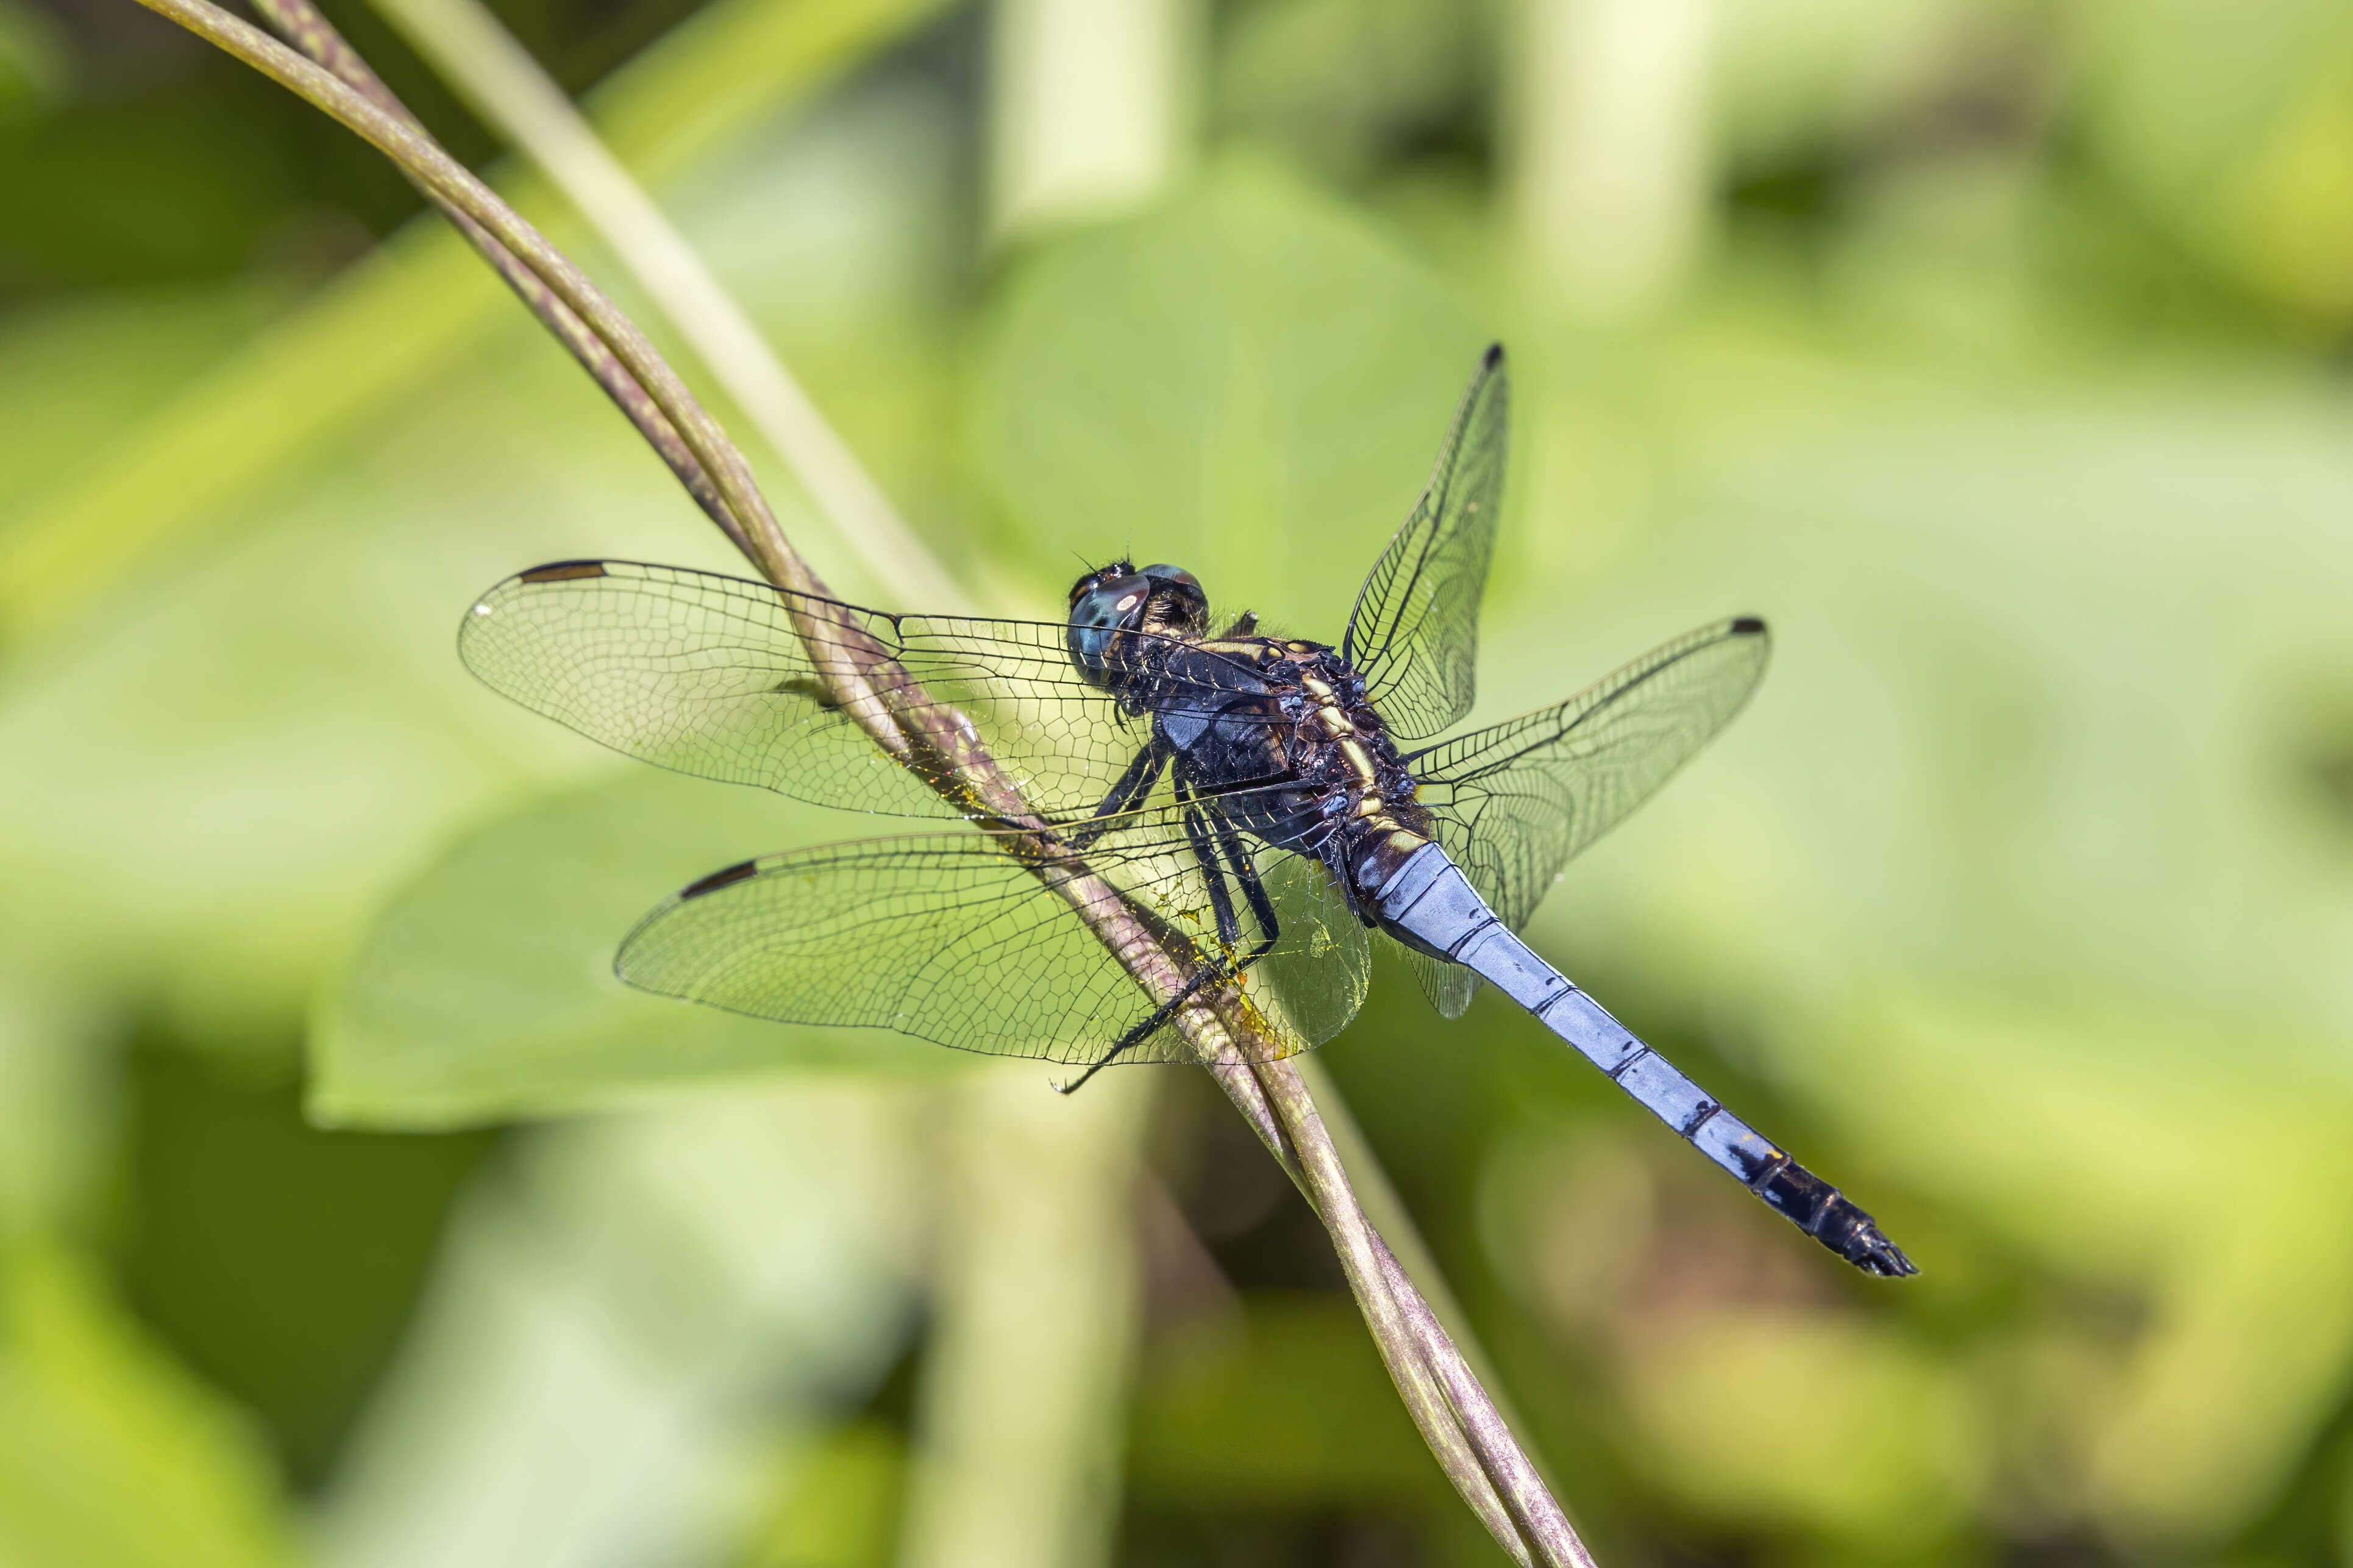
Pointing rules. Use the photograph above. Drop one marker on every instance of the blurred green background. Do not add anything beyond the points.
(1996, 349)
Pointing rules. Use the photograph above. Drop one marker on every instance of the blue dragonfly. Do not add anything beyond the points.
(1265, 804)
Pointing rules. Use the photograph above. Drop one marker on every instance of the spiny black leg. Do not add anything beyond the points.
(1261, 907)
(1216, 969)
(1222, 900)
(1230, 931)
(1134, 784)
(1253, 888)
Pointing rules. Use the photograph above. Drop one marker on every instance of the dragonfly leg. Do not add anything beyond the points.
(1262, 907)
(1229, 933)
(1205, 855)
(1199, 825)
(1132, 786)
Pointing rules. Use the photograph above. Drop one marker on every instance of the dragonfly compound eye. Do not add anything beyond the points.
(1086, 586)
(1103, 604)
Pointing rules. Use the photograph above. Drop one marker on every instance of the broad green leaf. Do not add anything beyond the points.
(1252, 384)
(485, 989)
(111, 1454)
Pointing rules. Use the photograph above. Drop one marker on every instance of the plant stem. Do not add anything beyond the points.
(1392, 1220)
(1470, 1440)
(503, 83)
(1274, 1103)
(302, 25)
(423, 159)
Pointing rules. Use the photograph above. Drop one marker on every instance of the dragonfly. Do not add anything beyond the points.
(1261, 807)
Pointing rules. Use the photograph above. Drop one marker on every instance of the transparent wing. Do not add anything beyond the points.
(1449, 986)
(1514, 802)
(1415, 634)
(951, 937)
(711, 675)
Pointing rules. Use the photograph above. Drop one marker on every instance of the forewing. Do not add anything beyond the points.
(1415, 634)
(959, 939)
(711, 676)
(1514, 802)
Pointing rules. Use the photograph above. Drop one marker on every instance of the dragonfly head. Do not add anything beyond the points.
(1166, 601)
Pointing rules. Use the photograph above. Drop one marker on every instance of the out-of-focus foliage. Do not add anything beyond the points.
(110, 1453)
(529, 918)
(2004, 380)
(1252, 371)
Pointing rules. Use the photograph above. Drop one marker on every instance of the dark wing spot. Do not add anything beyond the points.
(1495, 356)
(563, 572)
(718, 879)
(1747, 627)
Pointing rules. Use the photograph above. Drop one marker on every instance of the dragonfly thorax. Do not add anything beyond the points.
(1277, 736)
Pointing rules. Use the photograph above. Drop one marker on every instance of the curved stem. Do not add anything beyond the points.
(302, 25)
(505, 86)
(1461, 1424)
(449, 180)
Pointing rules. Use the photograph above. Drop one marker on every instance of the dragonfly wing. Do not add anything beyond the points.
(958, 938)
(1512, 803)
(711, 676)
(1415, 634)
(1315, 978)
(1449, 986)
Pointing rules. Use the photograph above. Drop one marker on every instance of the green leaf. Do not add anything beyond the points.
(485, 989)
(111, 1456)
(1252, 383)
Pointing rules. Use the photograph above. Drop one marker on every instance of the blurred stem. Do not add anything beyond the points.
(1461, 1424)
(386, 326)
(502, 82)
(423, 159)
(302, 25)
(1019, 1438)
(1090, 102)
(1608, 150)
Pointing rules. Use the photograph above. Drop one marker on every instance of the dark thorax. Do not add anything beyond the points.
(1241, 716)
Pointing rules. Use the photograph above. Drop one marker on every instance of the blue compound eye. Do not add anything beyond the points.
(1101, 604)
(1112, 604)
(1168, 573)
